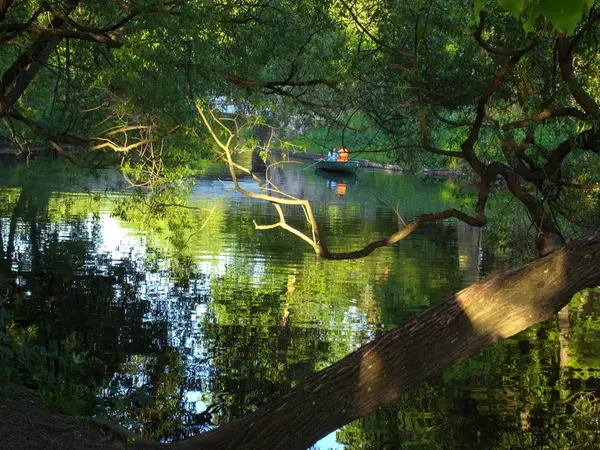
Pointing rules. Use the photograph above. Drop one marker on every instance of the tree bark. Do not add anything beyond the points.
(17, 78)
(382, 370)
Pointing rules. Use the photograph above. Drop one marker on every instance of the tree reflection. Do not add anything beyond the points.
(81, 300)
(183, 331)
(511, 396)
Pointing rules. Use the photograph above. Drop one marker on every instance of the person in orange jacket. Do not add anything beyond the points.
(343, 154)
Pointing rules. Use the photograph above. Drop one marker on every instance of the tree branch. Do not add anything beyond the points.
(593, 17)
(502, 50)
(486, 45)
(4, 7)
(583, 186)
(317, 241)
(454, 123)
(564, 111)
(240, 81)
(565, 53)
(397, 361)
(76, 161)
(549, 238)
(59, 32)
(371, 36)
(469, 143)
(24, 69)
(128, 18)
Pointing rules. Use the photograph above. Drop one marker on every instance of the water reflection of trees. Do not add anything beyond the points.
(267, 332)
(55, 277)
(264, 324)
(261, 335)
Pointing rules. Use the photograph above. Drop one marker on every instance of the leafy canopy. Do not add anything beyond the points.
(564, 15)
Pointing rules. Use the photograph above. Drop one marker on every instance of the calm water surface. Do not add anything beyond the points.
(195, 323)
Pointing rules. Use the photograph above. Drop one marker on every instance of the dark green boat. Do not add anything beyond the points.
(337, 166)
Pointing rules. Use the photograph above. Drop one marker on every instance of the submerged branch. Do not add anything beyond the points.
(406, 231)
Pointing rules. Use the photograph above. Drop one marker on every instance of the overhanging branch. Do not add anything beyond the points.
(565, 111)
(58, 32)
(240, 81)
(497, 80)
(317, 240)
(397, 361)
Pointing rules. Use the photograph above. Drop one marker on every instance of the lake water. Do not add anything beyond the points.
(189, 323)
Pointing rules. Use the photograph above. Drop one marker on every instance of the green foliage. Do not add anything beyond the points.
(563, 15)
(59, 374)
(263, 323)
(357, 134)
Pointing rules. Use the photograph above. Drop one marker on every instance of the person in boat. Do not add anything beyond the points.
(332, 155)
(343, 155)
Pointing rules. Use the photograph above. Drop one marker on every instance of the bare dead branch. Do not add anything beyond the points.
(406, 231)
(75, 161)
(43, 132)
(317, 241)
(588, 140)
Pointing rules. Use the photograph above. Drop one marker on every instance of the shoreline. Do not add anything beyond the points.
(365, 163)
(13, 154)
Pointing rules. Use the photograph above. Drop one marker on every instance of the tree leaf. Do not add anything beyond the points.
(563, 15)
(479, 6)
(516, 7)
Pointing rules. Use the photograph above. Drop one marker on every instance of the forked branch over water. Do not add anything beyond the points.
(315, 238)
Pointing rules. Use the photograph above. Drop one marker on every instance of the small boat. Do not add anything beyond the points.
(339, 166)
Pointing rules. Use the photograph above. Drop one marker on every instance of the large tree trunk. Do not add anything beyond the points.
(493, 309)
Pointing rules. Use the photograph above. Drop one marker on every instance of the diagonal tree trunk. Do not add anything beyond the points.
(474, 318)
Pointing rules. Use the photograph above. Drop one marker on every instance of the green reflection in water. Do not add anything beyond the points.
(186, 329)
